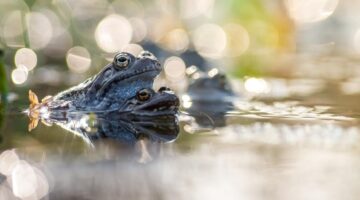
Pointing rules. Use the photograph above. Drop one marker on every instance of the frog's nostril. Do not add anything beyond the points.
(163, 88)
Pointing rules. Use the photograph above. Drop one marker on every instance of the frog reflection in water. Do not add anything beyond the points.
(122, 90)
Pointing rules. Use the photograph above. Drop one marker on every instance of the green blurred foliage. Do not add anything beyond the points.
(271, 34)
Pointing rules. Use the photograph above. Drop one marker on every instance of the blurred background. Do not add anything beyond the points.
(294, 131)
(281, 38)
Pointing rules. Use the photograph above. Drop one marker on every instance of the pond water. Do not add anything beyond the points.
(298, 140)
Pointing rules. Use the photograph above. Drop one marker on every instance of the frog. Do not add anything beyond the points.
(124, 85)
(152, 117)
(209, 94)
(208, 98)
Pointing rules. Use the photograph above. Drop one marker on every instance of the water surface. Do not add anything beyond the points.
(300, 143)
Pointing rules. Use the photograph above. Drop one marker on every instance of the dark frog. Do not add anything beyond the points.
(124, 86)
(209, 98)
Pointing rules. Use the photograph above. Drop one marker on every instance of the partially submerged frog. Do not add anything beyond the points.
(209, 97)
(123, 86)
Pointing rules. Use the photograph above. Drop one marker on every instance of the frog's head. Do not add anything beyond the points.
(117, 81)
(125, 75)
(213, 88)
(149, 104)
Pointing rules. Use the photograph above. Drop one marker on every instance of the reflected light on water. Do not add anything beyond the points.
(210, 40)
(8, 160)
(174, 68)
(25, 57)
(322, 135)
(113, 32)
(25, 180)
(40, 30)
(19, 75)
(78, 59)
(186, 101)
(28, 182)
(351, 86)
(307, 11)
(256, 85)
(213, 72)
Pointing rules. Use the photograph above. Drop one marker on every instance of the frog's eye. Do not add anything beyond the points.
(222, 79)
(121, 60)
(144, 94)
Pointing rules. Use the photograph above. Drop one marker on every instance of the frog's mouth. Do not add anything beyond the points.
(165, 103)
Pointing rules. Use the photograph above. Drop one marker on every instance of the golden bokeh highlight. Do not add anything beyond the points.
(39, 29)
(191, 9)
(134, 49)
(113, 32)
(25, 57)
(19, 75)
(177, 40)
(210, 40)
(309, 11)
(238, 39)
(12, 29)
(174, 68)
(140, 29)
(78, 59)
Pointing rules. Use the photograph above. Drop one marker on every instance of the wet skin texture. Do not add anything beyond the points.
(119, 98)
(119, 81)
(123, 86)
(154, 119)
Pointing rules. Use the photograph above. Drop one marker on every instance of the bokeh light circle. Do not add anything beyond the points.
(238, 39)
(174, 68)
(8, 160)
(19, 75)
(24, 181)
(210, 40)
(25, 57)
(177, 40)
(12, 29)
(113, 32)
(308, 11)
(39, 29)
(140, 29)
(256, 85)
(78, 59)
(134, 49)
